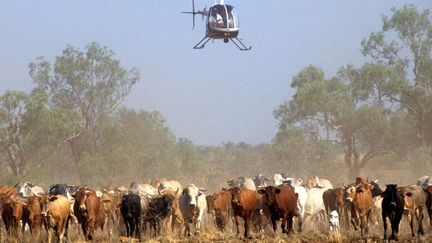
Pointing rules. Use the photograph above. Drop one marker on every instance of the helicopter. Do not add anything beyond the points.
(222, 23)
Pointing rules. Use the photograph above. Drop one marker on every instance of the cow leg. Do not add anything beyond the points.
(300, 223)
(247, 220)
(237, 224)
(290, 224)
(411, 218)
(273, 219)
(385, 226)
(420, 221)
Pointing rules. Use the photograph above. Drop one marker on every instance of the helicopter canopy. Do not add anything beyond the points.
(223, 16)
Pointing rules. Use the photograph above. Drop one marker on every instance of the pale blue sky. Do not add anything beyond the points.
(210, 96)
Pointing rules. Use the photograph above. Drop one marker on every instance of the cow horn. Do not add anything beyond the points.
(202, 189)
(299, 182)
(344, 185)
(367, 179)
(358, 186)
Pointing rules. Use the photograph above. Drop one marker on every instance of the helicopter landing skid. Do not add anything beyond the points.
(240, 44)
(202, 42)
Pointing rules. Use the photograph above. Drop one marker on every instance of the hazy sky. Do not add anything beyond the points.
(210, 96)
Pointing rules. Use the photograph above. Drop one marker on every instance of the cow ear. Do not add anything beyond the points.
(31, 184)
(277, 190)
(184, 191)
(383, 194)
(52, 198)
(408, 194)
(261, 191)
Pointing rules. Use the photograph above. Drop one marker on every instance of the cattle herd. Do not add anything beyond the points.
(255, 206)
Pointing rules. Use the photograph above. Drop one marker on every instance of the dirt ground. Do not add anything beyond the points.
(311, 233)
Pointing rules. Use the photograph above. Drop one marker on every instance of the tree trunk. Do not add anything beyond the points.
(76, 154)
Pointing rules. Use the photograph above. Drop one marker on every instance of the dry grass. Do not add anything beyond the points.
(210, 234)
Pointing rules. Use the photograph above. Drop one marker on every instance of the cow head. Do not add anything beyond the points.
(350, 191)
(191, 194)
(23, 188)
(270, 194)
(80, 198)
(392, 194)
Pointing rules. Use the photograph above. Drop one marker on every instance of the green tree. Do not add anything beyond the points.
(327, 110)
(91, 83)
(30, 131)
(401, 52)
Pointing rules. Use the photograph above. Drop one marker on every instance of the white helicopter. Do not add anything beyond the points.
(222, 23)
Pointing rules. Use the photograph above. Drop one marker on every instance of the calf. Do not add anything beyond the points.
(88, 211)
(55, 215)
(192, 204)
(392, 207)
(243, 203)
(159, 208)
(131, 211)
(282, 202)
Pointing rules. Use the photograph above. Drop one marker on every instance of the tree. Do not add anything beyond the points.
(402, 51)
(30, 131)
(91, 83)
(329, 107)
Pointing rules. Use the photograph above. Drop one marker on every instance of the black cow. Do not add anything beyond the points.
(131, 212)
(159, 208)
(392, 207)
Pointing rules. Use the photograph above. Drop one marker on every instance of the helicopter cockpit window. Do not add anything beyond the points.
(217, 17)
(223, 16)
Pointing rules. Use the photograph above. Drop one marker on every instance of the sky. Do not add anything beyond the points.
(210, 96)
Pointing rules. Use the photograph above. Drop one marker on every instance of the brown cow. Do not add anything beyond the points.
(429, 203)
(414, 203)
(88, 211)
(282, 202)
(222, 208)
(261, 215)
(176, 218)
(32, 214)
(359, 196)
(12, 211)
(243, 203)
(334, 200)
(55, 214)
(110, 203)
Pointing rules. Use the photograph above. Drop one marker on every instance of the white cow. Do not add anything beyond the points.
(278, 180)
(170, 185)
(318, 182)
(424, 182)
(248, 183)
(314, 207)
(144, 189)
(28, 189)
(301, 199)
(192, 206)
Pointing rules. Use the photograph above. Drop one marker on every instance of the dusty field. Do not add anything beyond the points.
(210, 234)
